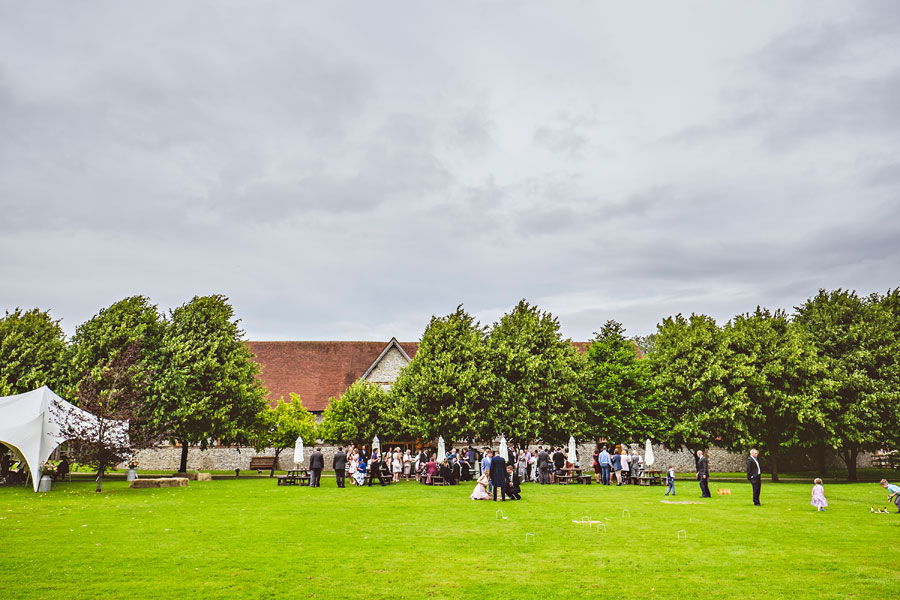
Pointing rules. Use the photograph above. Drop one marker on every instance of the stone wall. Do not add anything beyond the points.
(227, 459)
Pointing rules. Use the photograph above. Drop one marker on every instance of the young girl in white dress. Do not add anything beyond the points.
(818, 496)
(480, 492)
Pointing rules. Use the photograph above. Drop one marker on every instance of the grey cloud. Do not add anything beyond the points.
(568, 135)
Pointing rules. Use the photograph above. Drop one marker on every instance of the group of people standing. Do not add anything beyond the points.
(626, 468)
(362, 467)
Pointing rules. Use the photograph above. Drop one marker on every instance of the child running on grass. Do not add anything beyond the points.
(895, 493)
(670, 480)
(818, 496)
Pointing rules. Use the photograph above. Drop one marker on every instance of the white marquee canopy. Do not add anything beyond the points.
(29, 425)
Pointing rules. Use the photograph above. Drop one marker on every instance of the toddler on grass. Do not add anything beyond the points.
(818, 496)
(670, 480)
(895, 493)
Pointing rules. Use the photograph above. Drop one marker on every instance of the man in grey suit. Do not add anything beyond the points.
(543, 465)
(316, 464)
(339, 464)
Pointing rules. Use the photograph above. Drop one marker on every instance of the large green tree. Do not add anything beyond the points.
(691, 377)
(535, 374)
(281, 425)
(31, 346)
(105, 336)
(855, 338)
(445, 389)
(363, 411)
(774, 369)
(209, 389)
(618, 403)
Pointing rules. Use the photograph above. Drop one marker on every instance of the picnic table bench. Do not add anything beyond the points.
(263, 463)
(651, 478)
(294, 477)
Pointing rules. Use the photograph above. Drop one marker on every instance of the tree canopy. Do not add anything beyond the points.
(31, 348)
(363, 411)
(209, 389)
(445, 389)
(534, 374)
(618, 404)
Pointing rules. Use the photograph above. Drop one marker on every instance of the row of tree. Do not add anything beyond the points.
(823, 380)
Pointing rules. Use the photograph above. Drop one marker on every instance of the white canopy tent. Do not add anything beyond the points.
(29, 425)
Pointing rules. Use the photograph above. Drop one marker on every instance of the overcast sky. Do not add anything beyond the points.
(345, 170)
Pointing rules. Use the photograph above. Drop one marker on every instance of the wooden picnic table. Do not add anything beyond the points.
(651, 477)
(572, 475)
(294, 477)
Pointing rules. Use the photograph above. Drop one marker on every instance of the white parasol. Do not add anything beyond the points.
(572, 455)
(649, 459)
(441, 451)
(376, 445)
(298, 450)
(504, 451)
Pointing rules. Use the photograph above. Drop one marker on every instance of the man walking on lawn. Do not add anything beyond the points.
(339, 464)
(316, 464)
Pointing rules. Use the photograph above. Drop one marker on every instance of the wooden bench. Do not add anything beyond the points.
(584, 479)
(263, 463)
(438, 480)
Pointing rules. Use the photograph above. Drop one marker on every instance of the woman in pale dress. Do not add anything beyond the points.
(480, 492)
(407, 464)
(396, 465)
(353, 465)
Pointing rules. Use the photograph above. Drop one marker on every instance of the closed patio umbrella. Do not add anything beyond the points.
(376, 445)
(441, 451)
(504, 451)
(649, 459)
(572, 456)
(298, 450)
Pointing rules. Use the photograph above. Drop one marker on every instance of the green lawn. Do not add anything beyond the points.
(248, 538)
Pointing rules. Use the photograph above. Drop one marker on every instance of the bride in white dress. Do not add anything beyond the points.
(480, 492)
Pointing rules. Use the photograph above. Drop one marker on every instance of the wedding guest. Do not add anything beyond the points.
(605, 462)
(617, 466)
(513, 484)
(431, 469)
(626, 466)
(480, 492)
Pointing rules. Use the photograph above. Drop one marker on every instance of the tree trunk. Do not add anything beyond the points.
(820, 460)
(275, 464)
(184, 452)
(100, 469)
(849, 457)
(773, 461)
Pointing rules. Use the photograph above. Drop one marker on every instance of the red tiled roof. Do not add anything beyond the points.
(315, 370)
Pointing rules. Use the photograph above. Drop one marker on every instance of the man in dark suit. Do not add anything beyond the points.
(543, 465)
(754, 474)
(703, 474)
(498, 476)
(316, 464)
(339, 464)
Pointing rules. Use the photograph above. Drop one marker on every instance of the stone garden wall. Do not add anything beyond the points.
(228, 459)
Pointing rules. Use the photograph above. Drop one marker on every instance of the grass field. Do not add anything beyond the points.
(248, 538)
